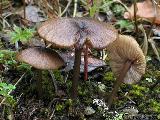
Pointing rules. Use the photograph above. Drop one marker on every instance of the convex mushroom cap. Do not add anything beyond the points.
(41, 58)
(123, 49)
(66, 32)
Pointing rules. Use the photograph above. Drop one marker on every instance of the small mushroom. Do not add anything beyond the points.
(42, 58)
(127, 61)
(77, 33)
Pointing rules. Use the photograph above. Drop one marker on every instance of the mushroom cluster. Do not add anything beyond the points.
(126, 57)
(78, 33)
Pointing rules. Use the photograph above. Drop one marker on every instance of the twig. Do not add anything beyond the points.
(145, 43)
(68, 4)
(52, 114)
(24, 8)
(155, 13)
(14, 85)
(135, 18)
(151, 41)
(54, 81)
(75, 8)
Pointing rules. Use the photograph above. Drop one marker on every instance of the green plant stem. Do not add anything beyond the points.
(76, 72)
(14, 85)
(118, 82)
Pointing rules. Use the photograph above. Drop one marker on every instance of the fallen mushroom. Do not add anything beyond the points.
(77, 33)
(127, 61)
(41, 58)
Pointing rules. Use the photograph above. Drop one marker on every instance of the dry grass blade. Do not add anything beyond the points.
(145, 43)
(151, 41)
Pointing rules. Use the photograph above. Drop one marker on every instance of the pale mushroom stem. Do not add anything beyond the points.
(86, 63)
(118, 82)
(76, 72)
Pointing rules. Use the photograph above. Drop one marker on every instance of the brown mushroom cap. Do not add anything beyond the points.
(66, 32)
(123, 49)
(41, 58)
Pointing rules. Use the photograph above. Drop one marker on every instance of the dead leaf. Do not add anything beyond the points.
(33, 13)
(145, 10)
(93, 62)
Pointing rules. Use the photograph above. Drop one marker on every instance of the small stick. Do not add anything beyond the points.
(54, 81)
(135, 18)
(153, 21)
(86, 63)
(24, 8)
(1, 9)
(75, 8)
(118, 82)
(68, 4)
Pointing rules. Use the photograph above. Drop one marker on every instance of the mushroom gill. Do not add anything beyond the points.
(123, 49)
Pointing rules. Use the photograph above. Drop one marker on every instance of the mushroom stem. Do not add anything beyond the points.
(38, 79)
(86, 63)
(76, 72)
(118, 82)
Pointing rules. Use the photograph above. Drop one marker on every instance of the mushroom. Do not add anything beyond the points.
(77, 33)
(127, 61)
(41, 58)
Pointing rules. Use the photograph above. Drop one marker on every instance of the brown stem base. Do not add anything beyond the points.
(76, 72)
(118, 82)
(86, 63)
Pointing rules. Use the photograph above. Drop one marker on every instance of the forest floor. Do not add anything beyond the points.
(21, 97)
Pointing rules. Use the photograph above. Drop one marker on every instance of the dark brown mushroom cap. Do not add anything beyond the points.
(123, 49)
(41, 58)
(66, 32)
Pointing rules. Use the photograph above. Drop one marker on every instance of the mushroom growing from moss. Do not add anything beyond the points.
(43, 59)
(77, 33)
(127, 62)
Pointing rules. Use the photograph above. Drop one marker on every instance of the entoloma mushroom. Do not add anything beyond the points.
(127, 61)
(77, 33)
(41, 58)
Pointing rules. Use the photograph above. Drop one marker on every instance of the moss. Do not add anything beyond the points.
(109, 76)
(47, 86)
(58, 76)
(139, 90)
